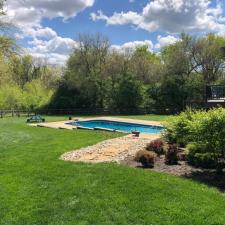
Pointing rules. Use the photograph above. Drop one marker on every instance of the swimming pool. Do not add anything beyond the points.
(118, 126)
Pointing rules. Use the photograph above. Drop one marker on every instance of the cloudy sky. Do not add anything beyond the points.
(49, 28)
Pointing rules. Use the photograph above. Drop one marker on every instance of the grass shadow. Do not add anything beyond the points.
(209, 177)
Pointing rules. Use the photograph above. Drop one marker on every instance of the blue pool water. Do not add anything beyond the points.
(119, 126)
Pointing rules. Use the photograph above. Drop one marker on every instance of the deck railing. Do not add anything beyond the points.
(215, 92)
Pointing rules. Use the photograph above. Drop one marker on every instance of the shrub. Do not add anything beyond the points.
(178, 129)
(171, 157)
(206, 127)
(146, 158)
(205, 160)
(200, 156)
(156, 146)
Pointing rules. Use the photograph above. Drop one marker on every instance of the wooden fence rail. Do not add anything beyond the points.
(77, 111)
(15, 113)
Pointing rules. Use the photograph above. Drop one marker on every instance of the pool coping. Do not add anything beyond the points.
(125, 120)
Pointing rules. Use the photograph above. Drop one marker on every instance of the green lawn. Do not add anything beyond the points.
(150, 117)
(36, 188)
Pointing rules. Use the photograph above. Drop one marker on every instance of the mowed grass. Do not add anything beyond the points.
(150, 117)
(36, 188)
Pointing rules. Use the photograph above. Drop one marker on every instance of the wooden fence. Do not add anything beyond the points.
(77, 111)
(15, 113)
(68, 112)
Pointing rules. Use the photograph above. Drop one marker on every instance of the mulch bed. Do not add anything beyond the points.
(183, 169)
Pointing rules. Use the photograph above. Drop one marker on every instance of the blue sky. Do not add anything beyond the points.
(82, 23)
(49, 29)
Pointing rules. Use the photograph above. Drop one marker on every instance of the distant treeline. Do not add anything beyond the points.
(96, 77)
(164, 82)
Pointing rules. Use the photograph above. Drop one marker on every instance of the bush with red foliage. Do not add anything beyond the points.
(171, 157)
(156, 146)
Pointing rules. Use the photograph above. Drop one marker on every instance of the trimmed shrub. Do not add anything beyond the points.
(156, 146)
(146, 158)
(200, 156)
(204, 160)
(171, 157)
(178, 129)
(206, 128)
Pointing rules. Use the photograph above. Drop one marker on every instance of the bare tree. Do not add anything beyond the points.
(86, 66)
(208, 57)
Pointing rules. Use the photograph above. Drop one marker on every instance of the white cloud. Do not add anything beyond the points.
(172, 16)
(131, 46)
(55, 50)
(50, 58)
(165, 41)
(37, 32)
(27, 15)
(32, 12)
(118, 18)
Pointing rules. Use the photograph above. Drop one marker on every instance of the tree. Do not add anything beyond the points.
(144, 64)
(208, 57)
(85, 70)
(10, 97)
(177, 57)
(116, 65)
(35, 95)
(128, 95)
(22, 68)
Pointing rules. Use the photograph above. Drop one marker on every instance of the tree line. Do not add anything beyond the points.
(98, 77)
(25, 82)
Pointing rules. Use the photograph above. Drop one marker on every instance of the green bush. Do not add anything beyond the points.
(206, 160)
(146, 158)
(206, 129)
(178, 129)
(200, 156)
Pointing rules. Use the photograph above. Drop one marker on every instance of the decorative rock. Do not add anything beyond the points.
(114, 150)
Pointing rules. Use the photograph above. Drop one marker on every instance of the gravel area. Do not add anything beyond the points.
(114, 150)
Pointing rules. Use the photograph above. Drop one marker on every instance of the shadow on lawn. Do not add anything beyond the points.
(211, 178)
